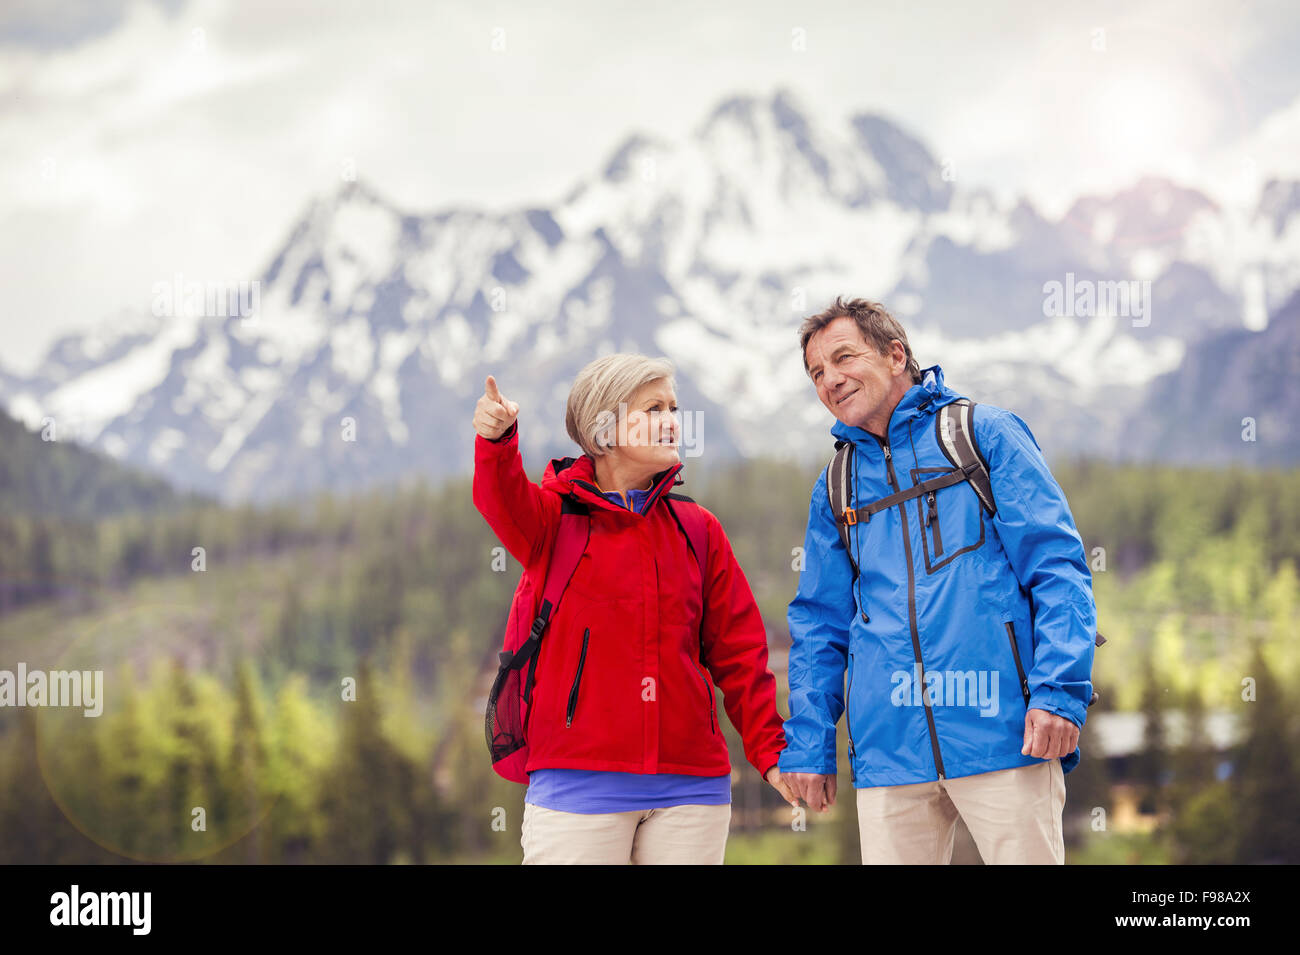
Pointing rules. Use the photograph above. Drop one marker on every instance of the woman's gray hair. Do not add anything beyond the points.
(591, 417)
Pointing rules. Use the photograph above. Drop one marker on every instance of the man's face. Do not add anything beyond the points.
(854, 381)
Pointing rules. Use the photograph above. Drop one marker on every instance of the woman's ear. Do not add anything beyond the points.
(605, 427)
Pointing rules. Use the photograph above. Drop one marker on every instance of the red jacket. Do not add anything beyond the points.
(640, 701)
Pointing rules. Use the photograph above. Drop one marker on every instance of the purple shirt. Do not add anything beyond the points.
(594, 790)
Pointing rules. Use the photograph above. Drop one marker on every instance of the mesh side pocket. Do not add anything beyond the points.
(504, 722)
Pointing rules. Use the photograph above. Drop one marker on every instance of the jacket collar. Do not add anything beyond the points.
(577, 476)
(919, 401)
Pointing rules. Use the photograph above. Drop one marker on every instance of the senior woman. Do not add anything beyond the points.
(626, 761)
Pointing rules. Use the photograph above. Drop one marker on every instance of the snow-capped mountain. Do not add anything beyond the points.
(374, 327)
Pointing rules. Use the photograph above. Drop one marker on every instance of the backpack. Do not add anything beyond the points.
(954, 432)
(507, 709)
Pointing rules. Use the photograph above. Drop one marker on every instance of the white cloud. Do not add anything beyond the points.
(153, 149)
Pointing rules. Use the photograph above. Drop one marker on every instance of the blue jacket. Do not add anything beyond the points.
(941, 610)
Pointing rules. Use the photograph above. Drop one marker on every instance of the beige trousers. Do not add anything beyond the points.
(1014, 815)
(678, 835)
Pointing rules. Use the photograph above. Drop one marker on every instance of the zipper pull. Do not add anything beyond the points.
(933, 512)
(886, 449)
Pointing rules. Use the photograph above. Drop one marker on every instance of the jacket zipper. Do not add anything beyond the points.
(1020, 670)
(655, 492)
(577, 677)
(848, 722)
(911, 606)
(932, 519)
(708, 691)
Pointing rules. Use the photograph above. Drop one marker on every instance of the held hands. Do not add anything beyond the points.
(1048, 736)
(780, 784)
(494, 413)
(816, 789)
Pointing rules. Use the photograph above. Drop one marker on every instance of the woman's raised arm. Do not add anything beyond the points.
(518, 511)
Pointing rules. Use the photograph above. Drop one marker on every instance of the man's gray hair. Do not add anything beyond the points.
(877, 326)
(591, 417)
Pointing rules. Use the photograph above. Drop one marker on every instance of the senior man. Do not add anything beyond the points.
(961, 610)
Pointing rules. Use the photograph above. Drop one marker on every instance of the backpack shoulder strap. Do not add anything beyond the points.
(839, 478)
(839, 488)
(954, 432)
(570, 543)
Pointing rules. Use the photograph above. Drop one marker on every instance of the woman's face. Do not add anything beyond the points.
(649, 432)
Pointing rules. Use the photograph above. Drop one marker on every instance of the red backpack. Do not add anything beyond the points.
(507, 708)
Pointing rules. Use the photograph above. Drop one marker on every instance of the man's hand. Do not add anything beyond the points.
(780, 785)
(1048, 736)
(494, 413)
(816, 789)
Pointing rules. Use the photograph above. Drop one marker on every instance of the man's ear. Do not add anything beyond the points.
(897, 357)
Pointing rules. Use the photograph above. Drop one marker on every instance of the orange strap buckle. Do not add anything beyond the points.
(850, 516)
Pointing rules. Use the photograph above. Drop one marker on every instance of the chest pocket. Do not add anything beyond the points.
(951, 520)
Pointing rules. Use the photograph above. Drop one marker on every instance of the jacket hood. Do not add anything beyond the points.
(577, 476)
(919, 401)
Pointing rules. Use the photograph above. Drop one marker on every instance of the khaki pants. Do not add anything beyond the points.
(678, 835)
(1014, 815)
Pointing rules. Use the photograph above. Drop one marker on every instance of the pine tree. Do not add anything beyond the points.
(1266, 777)
(1153, 761)
(248, 763)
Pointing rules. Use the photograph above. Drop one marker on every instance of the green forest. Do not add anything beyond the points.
(305, 682)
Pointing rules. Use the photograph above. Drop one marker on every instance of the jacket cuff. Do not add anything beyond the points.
(1054, 700)
(806, 765)
(765, 763)
(506, 435)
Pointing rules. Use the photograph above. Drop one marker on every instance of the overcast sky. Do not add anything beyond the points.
(139, 139)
